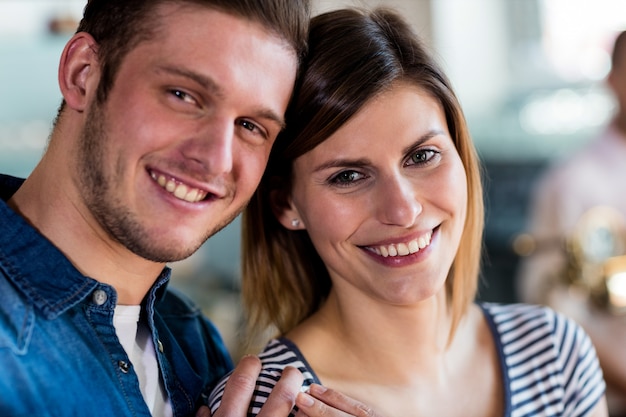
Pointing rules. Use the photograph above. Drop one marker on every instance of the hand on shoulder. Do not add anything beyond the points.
(317, 402)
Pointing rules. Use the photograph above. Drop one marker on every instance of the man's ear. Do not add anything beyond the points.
(79, 71)
(283, 208)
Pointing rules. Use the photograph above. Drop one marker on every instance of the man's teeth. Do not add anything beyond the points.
(403, 249)
(179, 190)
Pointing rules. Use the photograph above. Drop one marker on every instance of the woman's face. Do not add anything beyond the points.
(384, 199)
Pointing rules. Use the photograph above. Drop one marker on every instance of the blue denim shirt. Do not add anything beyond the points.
(59, 354)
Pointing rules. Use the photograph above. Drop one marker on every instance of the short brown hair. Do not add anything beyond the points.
(119, 25)
(354, 55)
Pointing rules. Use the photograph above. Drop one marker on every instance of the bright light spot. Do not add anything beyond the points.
(31, 135)
(616, 284)
(564, 111)
(595, 64)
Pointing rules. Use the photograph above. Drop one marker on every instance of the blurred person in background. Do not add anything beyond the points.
(576, 224)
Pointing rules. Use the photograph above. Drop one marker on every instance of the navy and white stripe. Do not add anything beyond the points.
(278, 354)
(549, 365)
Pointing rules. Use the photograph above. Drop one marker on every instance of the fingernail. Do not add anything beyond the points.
(317, 389)
(305, 400)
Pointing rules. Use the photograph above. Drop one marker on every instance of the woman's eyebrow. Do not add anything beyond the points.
(428, 135)
(343, 162)
(361, 162)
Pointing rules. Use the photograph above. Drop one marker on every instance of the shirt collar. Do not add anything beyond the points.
(43, 274)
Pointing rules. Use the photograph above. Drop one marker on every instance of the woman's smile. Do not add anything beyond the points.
(402, 248)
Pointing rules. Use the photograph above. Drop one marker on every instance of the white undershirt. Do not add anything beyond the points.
(136, 339)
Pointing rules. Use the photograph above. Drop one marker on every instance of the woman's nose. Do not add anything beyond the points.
(398, 202)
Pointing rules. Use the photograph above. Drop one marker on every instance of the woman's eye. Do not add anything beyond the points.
(346, 178)
(421, 157)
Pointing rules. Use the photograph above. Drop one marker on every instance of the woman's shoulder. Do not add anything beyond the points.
(529, 329)
(539, 346)
(275, 357)
(517, 317)
(532, 335)
(280, 353)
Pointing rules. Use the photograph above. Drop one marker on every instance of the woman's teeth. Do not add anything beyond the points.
(179, 190)
(403, 249)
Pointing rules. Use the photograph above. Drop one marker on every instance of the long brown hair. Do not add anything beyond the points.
(353, 56)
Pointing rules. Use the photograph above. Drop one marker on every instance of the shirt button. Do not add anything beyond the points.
(160, 346)
(123, 366)
(99, 297)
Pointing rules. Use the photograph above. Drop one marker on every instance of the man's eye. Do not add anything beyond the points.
(183, 96)
(250, 126)
(253, 132)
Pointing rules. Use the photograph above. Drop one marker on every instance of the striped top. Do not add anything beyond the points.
(548, 363)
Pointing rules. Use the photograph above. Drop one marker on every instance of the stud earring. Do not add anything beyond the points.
(295, 222)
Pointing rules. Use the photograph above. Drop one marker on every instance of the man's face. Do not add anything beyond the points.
(181, 142)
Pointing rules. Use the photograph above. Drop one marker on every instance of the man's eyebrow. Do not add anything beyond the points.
(273, 116)
(213, 87)
(203, 80)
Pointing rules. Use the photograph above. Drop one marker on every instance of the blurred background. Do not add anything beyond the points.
(529, 73)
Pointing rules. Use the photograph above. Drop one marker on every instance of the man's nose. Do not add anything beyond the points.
(212, 148)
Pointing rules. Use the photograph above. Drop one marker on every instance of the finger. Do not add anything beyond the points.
(203, 411)
(301, 413)
(312, 407)
(283, 396)
(328, 402)
(240, 387)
